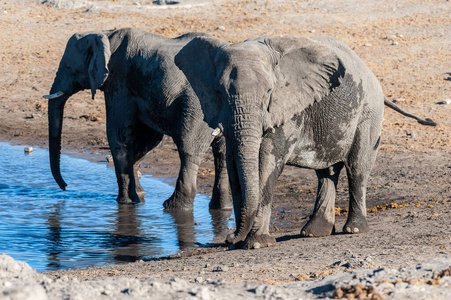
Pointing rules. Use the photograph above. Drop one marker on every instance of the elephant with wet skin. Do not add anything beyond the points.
(146, 97)
(309, 103)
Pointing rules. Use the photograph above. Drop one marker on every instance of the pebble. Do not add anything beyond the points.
(220, 269)
(109, 158)
(367, 45)
(398, 100)
(394, 43)
(390, 37)
(446, 102)
(199, 279)
(28, 149)
(220, 28)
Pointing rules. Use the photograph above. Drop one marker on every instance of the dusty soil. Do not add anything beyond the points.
(409, 193)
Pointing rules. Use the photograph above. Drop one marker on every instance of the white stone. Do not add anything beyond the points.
(28, 149)
(446, 102)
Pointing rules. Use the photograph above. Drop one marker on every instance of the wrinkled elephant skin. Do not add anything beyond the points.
(146, 97)
(310, 103)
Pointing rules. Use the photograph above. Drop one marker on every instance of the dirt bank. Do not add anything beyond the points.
(413, 169)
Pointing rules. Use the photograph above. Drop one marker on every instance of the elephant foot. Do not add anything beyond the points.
(356, 224)
(317, 227)
(128, 200)
(222, 203)
(253, 241)
(177, 203)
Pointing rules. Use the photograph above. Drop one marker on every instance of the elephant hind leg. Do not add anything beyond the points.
(358, 167)
(145, 139)
(322, 221)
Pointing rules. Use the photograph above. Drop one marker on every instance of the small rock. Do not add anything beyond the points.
(390, 37)
(199, 279)
(222, 28)
(109, 158)
(28, 149)
(398, 100)
(220, 269)
(410, 134)
(446, 102)
(394, 43)
(312, 31)
(399, 35)
(197, 223)
(367, 45)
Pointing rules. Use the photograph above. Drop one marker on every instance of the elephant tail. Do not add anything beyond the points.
(395, 107)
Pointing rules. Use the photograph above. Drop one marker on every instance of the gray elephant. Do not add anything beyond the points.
(146, 97)
(310, 103)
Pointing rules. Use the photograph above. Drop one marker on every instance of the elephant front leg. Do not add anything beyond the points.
(259, 236)
(185, 188)
(220, 197)
(145, 139)
(123, 164)
(322, 221)
(120, 138)
(270, 168)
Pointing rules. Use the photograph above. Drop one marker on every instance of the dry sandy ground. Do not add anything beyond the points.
(409, 191)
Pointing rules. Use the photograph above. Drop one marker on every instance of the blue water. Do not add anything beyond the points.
(84, 226)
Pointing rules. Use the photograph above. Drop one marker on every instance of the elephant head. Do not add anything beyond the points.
(263, 83)
(84, 65)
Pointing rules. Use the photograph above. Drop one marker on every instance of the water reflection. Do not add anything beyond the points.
(127, 237)
(54, 235)
(84, 226)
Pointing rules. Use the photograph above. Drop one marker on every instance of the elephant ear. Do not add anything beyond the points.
(97, 49)
(196, 61)
(306, 71)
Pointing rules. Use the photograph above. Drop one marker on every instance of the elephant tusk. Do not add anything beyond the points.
(54, 95)
(216, 132)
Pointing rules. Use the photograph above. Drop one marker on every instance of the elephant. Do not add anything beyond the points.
(309, 103)
(146, 97)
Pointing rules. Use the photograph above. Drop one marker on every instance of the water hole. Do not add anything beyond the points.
(84, 226)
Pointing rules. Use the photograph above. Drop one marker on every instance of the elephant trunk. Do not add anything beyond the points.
(55, 112)
(247, 132)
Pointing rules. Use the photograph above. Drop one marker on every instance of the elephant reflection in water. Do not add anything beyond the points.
(128, 242)
(54, 236)
(186, 227)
